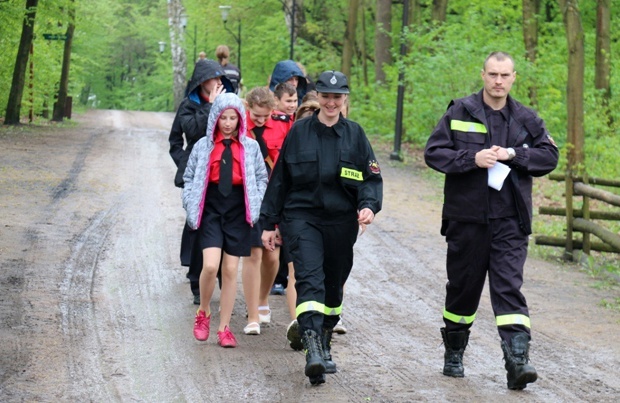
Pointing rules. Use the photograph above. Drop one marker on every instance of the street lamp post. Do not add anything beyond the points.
(193, 38)
(292, 30)
(225, 10)
(398, 130)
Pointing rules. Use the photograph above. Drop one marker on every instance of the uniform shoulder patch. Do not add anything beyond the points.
(280, 117)
(374, 167)
(551, 140)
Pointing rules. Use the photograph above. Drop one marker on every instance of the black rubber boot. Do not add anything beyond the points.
(519, 371)
(455, 343)
(315, 365)
(326, 342)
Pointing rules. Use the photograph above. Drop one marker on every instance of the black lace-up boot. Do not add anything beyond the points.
(519, 371)
(455, 343)
(326, 341)
(315, 365)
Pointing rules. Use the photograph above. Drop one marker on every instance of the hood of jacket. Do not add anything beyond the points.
(204, 70)
(285, 70)
(222, 102)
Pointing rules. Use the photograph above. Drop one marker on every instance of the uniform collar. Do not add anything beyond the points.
(338, 127)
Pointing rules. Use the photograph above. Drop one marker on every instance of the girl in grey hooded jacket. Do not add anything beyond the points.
(196, 195)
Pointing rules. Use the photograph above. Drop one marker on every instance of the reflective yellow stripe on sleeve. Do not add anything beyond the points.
(309, 306)
(466, 320)
(513, 319)
(467, 126)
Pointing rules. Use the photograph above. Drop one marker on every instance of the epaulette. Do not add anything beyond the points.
(280, 117)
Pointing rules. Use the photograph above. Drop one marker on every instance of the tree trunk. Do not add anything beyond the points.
(439, 10)
(575, 129)
(179, 59)
(349, 38)
(383, 41)
(21, 63)
(603, 54)
(531, 8)
(415, 12)
(363, 51)
(63, 88)
(603, 48)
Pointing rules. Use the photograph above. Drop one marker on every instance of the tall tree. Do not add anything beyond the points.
(295, 19)
(383, 40)
(349, 38)
(21, 62)
(439, 10)
(179, 59)
(574, 93)
(59, 106)
(603, 49)
(531, 9)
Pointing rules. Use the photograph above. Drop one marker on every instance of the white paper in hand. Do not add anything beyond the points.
(497, 175)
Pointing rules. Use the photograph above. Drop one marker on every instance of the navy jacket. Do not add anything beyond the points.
(462, 132)
(285, 70)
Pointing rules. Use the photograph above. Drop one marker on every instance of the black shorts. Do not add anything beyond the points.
(223, 223)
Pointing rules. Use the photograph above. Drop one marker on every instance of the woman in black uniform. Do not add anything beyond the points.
(325, 185)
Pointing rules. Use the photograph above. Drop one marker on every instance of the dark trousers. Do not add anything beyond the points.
(499, 249)
(323, 257)
(282, 276)
(191, 256)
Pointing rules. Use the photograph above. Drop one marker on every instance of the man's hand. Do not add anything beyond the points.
(488, 157)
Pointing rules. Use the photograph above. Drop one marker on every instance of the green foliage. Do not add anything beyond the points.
(116, 61)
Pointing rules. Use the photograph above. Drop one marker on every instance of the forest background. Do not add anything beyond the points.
(116, 62)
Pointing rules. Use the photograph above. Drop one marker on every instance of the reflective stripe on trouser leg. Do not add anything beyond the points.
(513, 319)
(338, 245)
(310, 306)
(508, 255)
(466, 265)
(305, 247)
(464, 320)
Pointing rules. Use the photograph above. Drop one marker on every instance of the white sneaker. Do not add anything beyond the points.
(339, 328)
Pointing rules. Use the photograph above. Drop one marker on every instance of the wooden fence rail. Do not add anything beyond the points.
(579, 220)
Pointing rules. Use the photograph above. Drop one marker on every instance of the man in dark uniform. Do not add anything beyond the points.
(325, 185)
(487, 228)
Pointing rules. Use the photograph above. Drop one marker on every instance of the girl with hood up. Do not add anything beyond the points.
(189, 126)
(222, 205)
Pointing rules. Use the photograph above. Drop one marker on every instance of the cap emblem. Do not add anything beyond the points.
(333, 80)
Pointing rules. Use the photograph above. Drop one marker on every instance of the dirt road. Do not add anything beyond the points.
(94, 305)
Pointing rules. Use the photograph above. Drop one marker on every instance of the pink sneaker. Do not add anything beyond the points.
(201, 326)
(226, 338)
